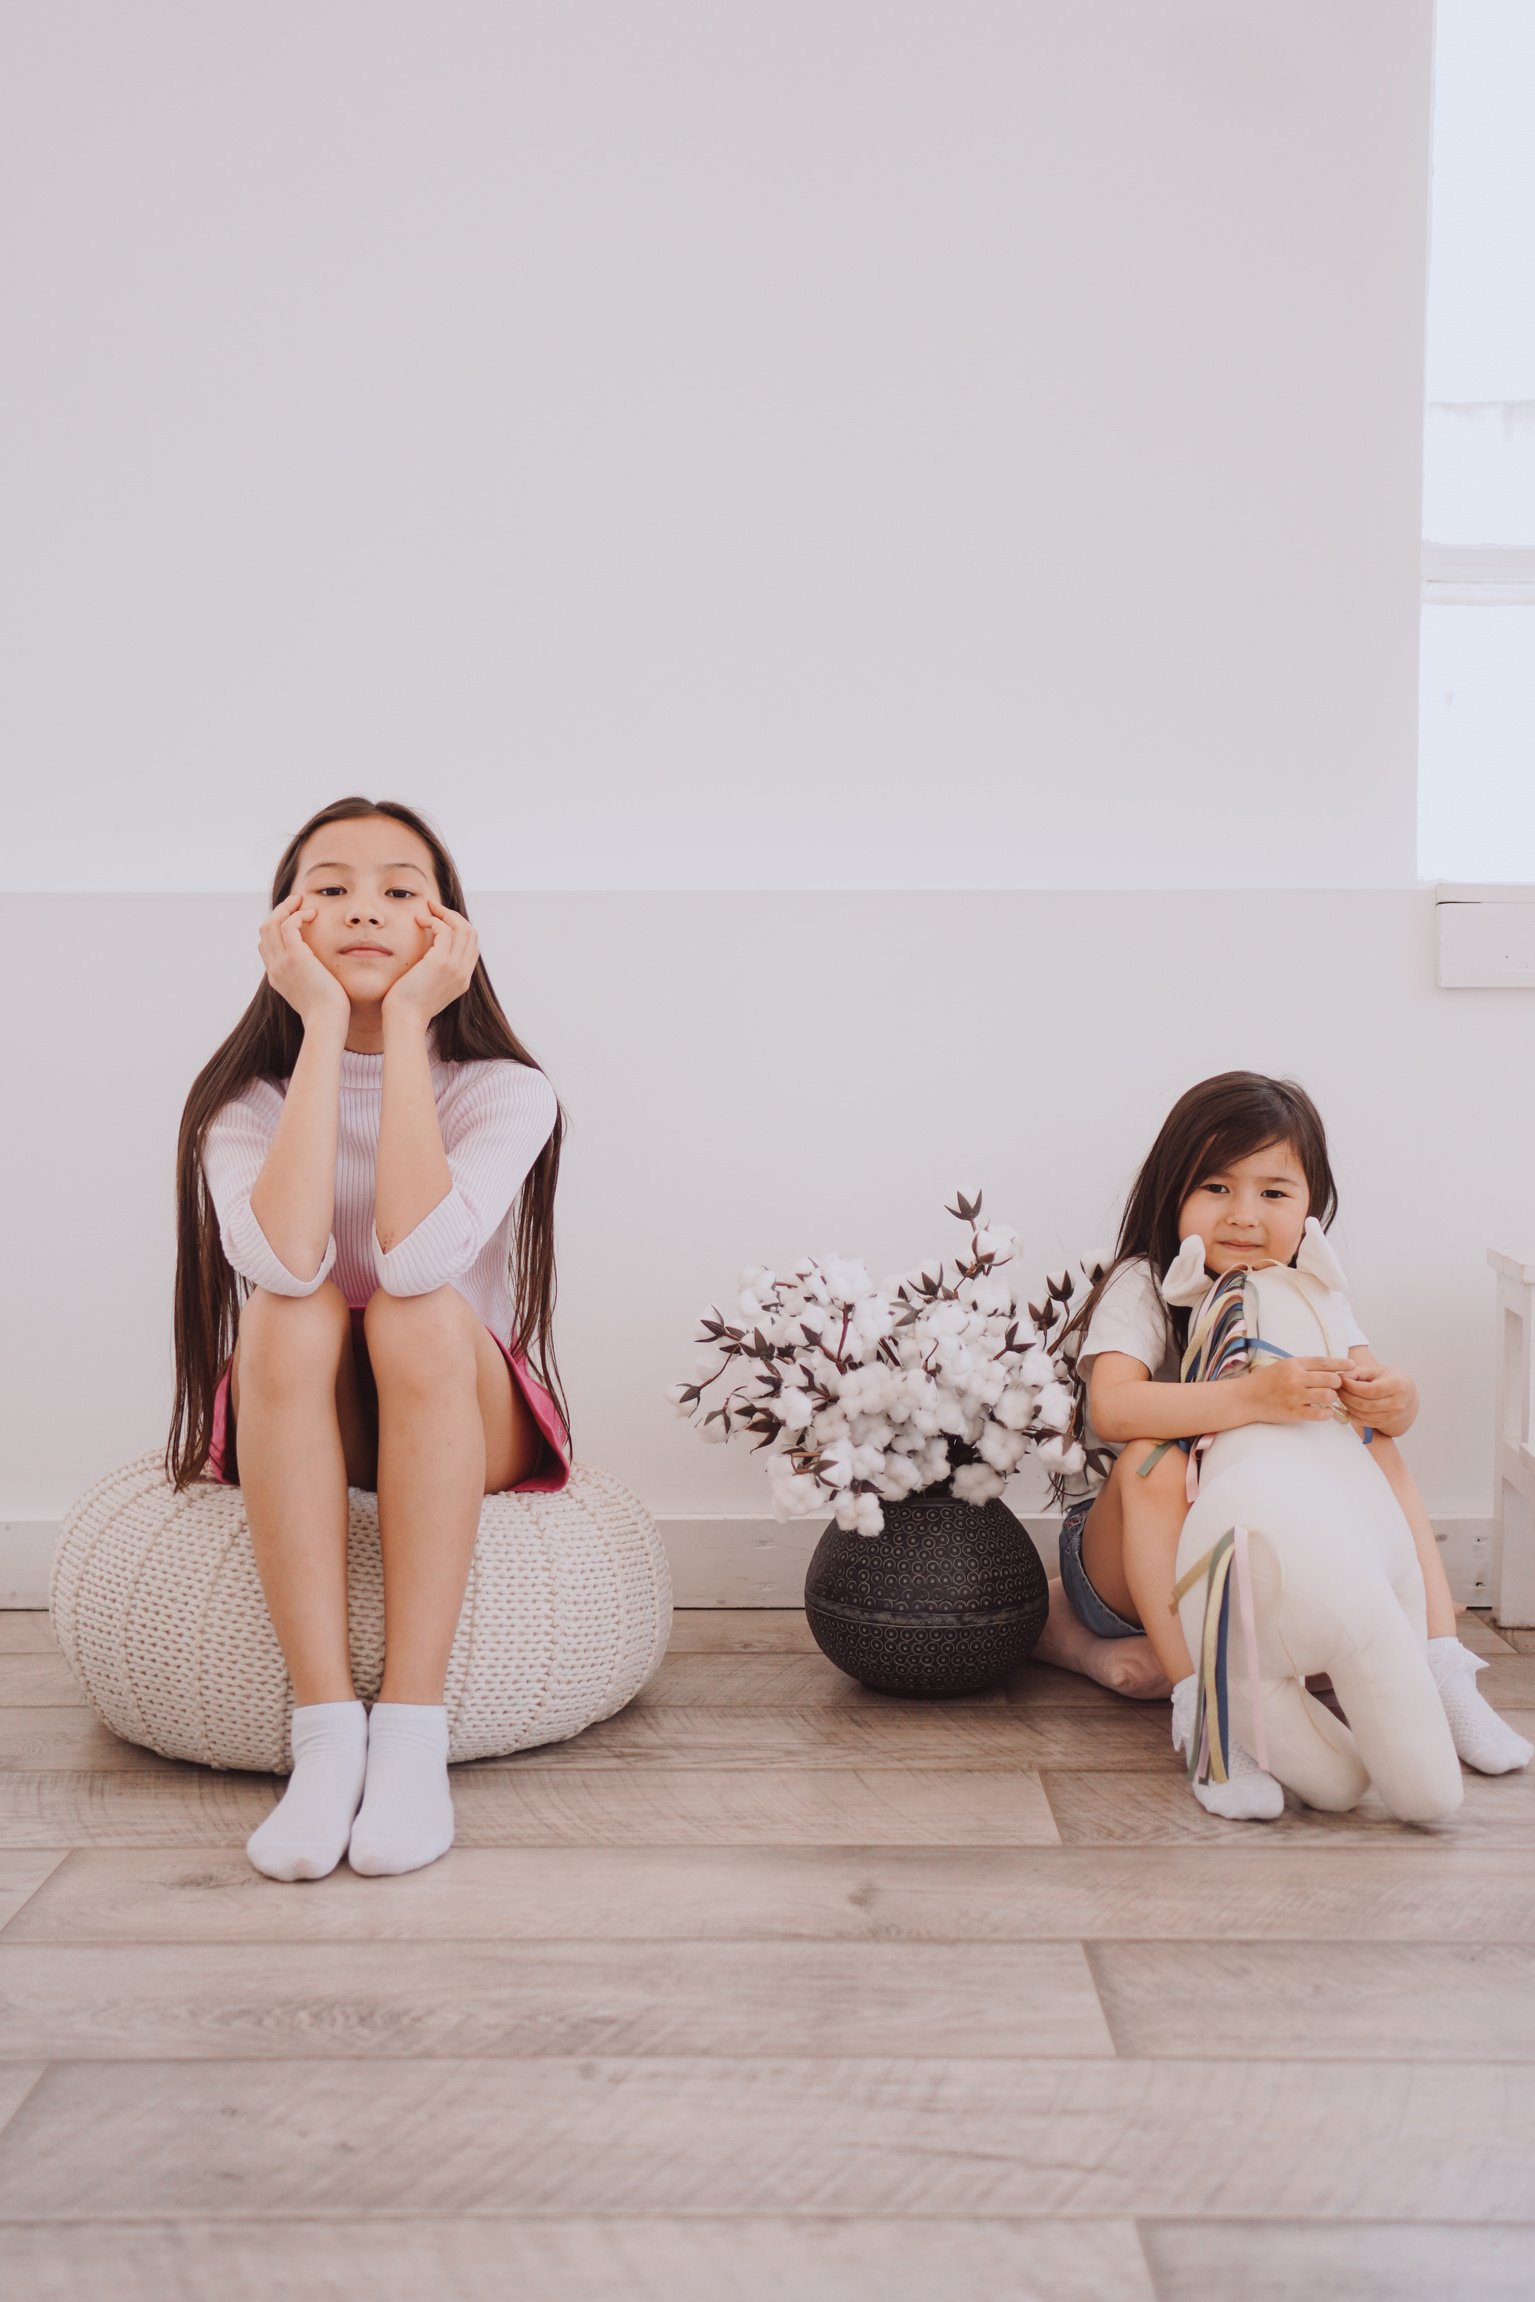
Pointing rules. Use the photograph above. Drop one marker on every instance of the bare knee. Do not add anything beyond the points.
(421, 1341)
(291, 1338)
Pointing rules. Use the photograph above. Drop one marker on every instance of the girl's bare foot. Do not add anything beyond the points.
(1125, 1666)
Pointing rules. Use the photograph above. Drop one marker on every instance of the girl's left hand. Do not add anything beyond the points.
(1378, 1398)
(443, 971)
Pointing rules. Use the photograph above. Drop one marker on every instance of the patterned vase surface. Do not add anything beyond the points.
(949, 1599)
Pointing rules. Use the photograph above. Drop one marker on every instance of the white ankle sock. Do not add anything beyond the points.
(1482, 1740)
(406, 1817)
(1247, 1794)
(305, 1835)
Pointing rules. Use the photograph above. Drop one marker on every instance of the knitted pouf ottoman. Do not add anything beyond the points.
(159, 1610)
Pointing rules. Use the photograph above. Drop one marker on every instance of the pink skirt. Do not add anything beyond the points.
(547, 1476)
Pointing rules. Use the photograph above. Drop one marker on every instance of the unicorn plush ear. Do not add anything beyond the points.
(1186, 1279)
(1317, 1259)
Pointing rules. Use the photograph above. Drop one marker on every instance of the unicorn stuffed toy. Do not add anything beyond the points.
(1296, 1559)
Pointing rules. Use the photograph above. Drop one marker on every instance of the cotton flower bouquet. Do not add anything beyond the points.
(863, 1395)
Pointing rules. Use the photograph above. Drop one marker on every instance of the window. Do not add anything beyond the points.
(1476, 776)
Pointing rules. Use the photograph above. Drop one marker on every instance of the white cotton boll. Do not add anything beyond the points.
(944, 1319)
(749, 1304)
(800, 1498)
(1052, 1453)
(1015, 1409)
(871, 1519)
(1003, 1449)
(898, 1479)
(873, 1431)
(837, 1463)
(1037, 1367)
(865, 1390)
(950, 1413)
(873, 1319)
(990, 1385)
(868, 1462)
(827, 1424)
(847, 1513)
(754, 1275)
(677, 1393)
(933, 1463)
(714, 1431)
(707, 1365)
(1054, 1406)
(793, 1407)
(977, 1483)
(1072, 1457)
(847, 1281)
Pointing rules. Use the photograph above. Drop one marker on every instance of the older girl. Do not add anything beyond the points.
(364, 1287)
(1240, 1163)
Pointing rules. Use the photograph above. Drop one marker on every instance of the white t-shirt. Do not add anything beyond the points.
(1130, 1316)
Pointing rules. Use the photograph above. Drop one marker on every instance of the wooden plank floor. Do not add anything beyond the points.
(766, 1986)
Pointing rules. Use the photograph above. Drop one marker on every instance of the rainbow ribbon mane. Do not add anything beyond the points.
(1220, 1344)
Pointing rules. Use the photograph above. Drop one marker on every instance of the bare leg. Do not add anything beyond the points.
(1127, 1666)
(451, 1428)
(301, 1432)
(1441, 1607)
(1130, 1544)
(298, 1415)
(451, 1425)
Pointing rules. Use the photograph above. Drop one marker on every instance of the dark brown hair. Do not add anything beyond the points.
(264, 1044)
(1210, 1128)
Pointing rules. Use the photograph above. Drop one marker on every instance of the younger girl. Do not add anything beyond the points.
(1240, 1163)
(373, 1153)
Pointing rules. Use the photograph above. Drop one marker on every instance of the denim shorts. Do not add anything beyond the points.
(1093, 1613)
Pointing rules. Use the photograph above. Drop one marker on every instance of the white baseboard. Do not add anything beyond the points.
(741, 1562)
(1466, 1547)
(26, 1559)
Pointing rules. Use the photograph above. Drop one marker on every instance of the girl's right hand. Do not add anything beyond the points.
(1297, 1390)
(294, 971)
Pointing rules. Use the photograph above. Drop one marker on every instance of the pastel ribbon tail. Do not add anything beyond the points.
(1210, 1739)
(1244, 1576)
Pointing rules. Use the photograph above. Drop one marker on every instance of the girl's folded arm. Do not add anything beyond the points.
(1124, 1402)
(239, 1162)
(491, 1138)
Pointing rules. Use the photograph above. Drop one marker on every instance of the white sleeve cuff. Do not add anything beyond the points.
(441, 1247)
(253, 1256)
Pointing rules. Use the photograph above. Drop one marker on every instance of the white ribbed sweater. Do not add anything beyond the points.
(495, 1117)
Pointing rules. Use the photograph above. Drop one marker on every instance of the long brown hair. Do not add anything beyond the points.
(264, 1044)
(1209, 1128)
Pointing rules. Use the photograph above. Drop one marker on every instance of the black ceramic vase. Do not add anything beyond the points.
(949, 1599)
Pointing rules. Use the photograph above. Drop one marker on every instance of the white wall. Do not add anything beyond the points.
(906, 1046)
(706, 443)
(735, 449)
